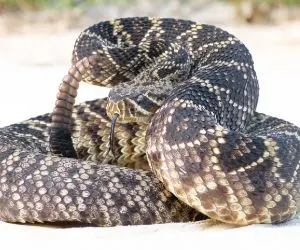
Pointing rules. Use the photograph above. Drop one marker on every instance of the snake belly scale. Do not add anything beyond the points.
(188, 141)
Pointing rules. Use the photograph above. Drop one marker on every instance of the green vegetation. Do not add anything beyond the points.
(14, 5)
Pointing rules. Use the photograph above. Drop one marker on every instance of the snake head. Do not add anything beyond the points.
(136, 107)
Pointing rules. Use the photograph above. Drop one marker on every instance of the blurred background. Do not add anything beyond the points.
(78, 13)
(37, 38)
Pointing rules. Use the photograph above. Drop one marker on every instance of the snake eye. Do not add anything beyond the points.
(131, 110)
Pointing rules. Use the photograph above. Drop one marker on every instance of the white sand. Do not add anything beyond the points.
(31, 68)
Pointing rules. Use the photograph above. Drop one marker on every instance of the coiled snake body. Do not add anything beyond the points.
(184, 95)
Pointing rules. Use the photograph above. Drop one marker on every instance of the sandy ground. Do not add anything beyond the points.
(32, 66)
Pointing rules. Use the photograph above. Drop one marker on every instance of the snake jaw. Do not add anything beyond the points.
(112, 108)
(128, 111)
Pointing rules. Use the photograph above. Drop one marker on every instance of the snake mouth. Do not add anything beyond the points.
(127, 111)
(114, 108)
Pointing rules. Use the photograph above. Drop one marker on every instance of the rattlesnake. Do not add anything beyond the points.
(184, 95)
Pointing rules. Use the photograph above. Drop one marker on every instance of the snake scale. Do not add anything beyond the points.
(177, 139)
